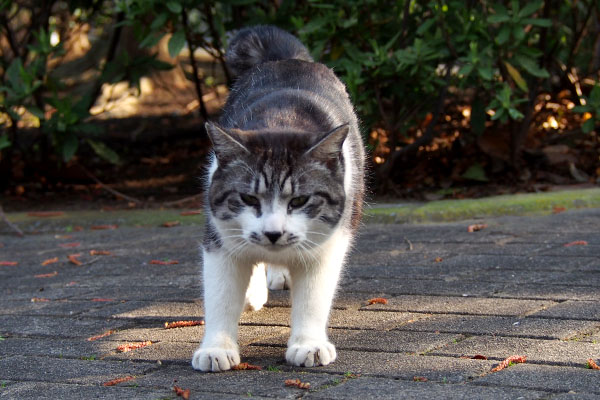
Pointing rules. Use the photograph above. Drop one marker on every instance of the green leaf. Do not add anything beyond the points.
(149, 41)
(176, 43)
(543, 23)
(159, 21)
(425, 26)
(104, 151)
(499, 114)
(515, 114)
(530, 8)
(582, 109)
(516, 75)
(69, 147)
(485, 73)
(503, 35)
(498, 18)
(531, 66)
(174, 7)
(4, 142)
(465, 70)
(13, 73)
(475, 173)
(588, 125)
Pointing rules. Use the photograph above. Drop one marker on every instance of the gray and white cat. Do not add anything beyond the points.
(284, 190)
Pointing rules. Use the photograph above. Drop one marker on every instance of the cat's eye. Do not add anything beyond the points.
(298, 202)
(249, 200)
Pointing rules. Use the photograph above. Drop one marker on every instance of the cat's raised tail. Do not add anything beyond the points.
(259, 44)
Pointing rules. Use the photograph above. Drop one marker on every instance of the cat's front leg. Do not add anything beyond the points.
(313, 288)
(225, 284)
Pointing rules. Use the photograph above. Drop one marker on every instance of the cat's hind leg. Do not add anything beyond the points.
(257, 292)
(278, 278)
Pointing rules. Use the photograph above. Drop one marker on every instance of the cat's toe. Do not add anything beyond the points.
(311, 354)
(215, 359)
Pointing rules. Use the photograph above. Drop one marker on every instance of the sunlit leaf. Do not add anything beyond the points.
(516, 76)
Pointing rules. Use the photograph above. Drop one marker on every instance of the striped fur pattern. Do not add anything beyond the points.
(284, 193)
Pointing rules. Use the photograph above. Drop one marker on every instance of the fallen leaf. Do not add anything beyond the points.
(63, 236)
(246, 366)
(508, 361)
(185, 393)
(438, 259)
(592, 364)
(70, 245)
(297, 383)
(180, 324)
(99, 299)
(476, 227)
(171, 224)
(576, 243)
(124, 348)
(8, 263)
(50, 275)
(45, 214)
(103, 227)
(186, 213)
(420, 379)
(100, 336)
(100, 253)
(159, 262)
(118, 380)
(73, 259)
(377, 300)
(558, 210)
(50, 261)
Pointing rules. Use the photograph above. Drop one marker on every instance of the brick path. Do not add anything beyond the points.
(513, 288)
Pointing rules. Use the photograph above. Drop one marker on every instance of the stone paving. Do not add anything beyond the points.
(513, 288)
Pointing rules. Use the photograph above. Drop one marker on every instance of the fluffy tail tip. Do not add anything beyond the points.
(259, 44)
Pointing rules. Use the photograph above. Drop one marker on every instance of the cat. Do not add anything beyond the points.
(284, 190)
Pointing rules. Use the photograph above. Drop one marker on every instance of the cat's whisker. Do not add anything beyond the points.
(317, 233)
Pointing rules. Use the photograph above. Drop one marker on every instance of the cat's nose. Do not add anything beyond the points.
(273, 236)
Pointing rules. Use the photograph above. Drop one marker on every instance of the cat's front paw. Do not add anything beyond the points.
(215, 359)
(311, 354)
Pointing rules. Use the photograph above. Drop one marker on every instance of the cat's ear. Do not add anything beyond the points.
(330, 144)
(225, 144)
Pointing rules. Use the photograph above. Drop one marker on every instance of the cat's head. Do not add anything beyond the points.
(277, 190)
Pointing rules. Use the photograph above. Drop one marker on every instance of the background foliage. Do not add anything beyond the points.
(429, 78)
